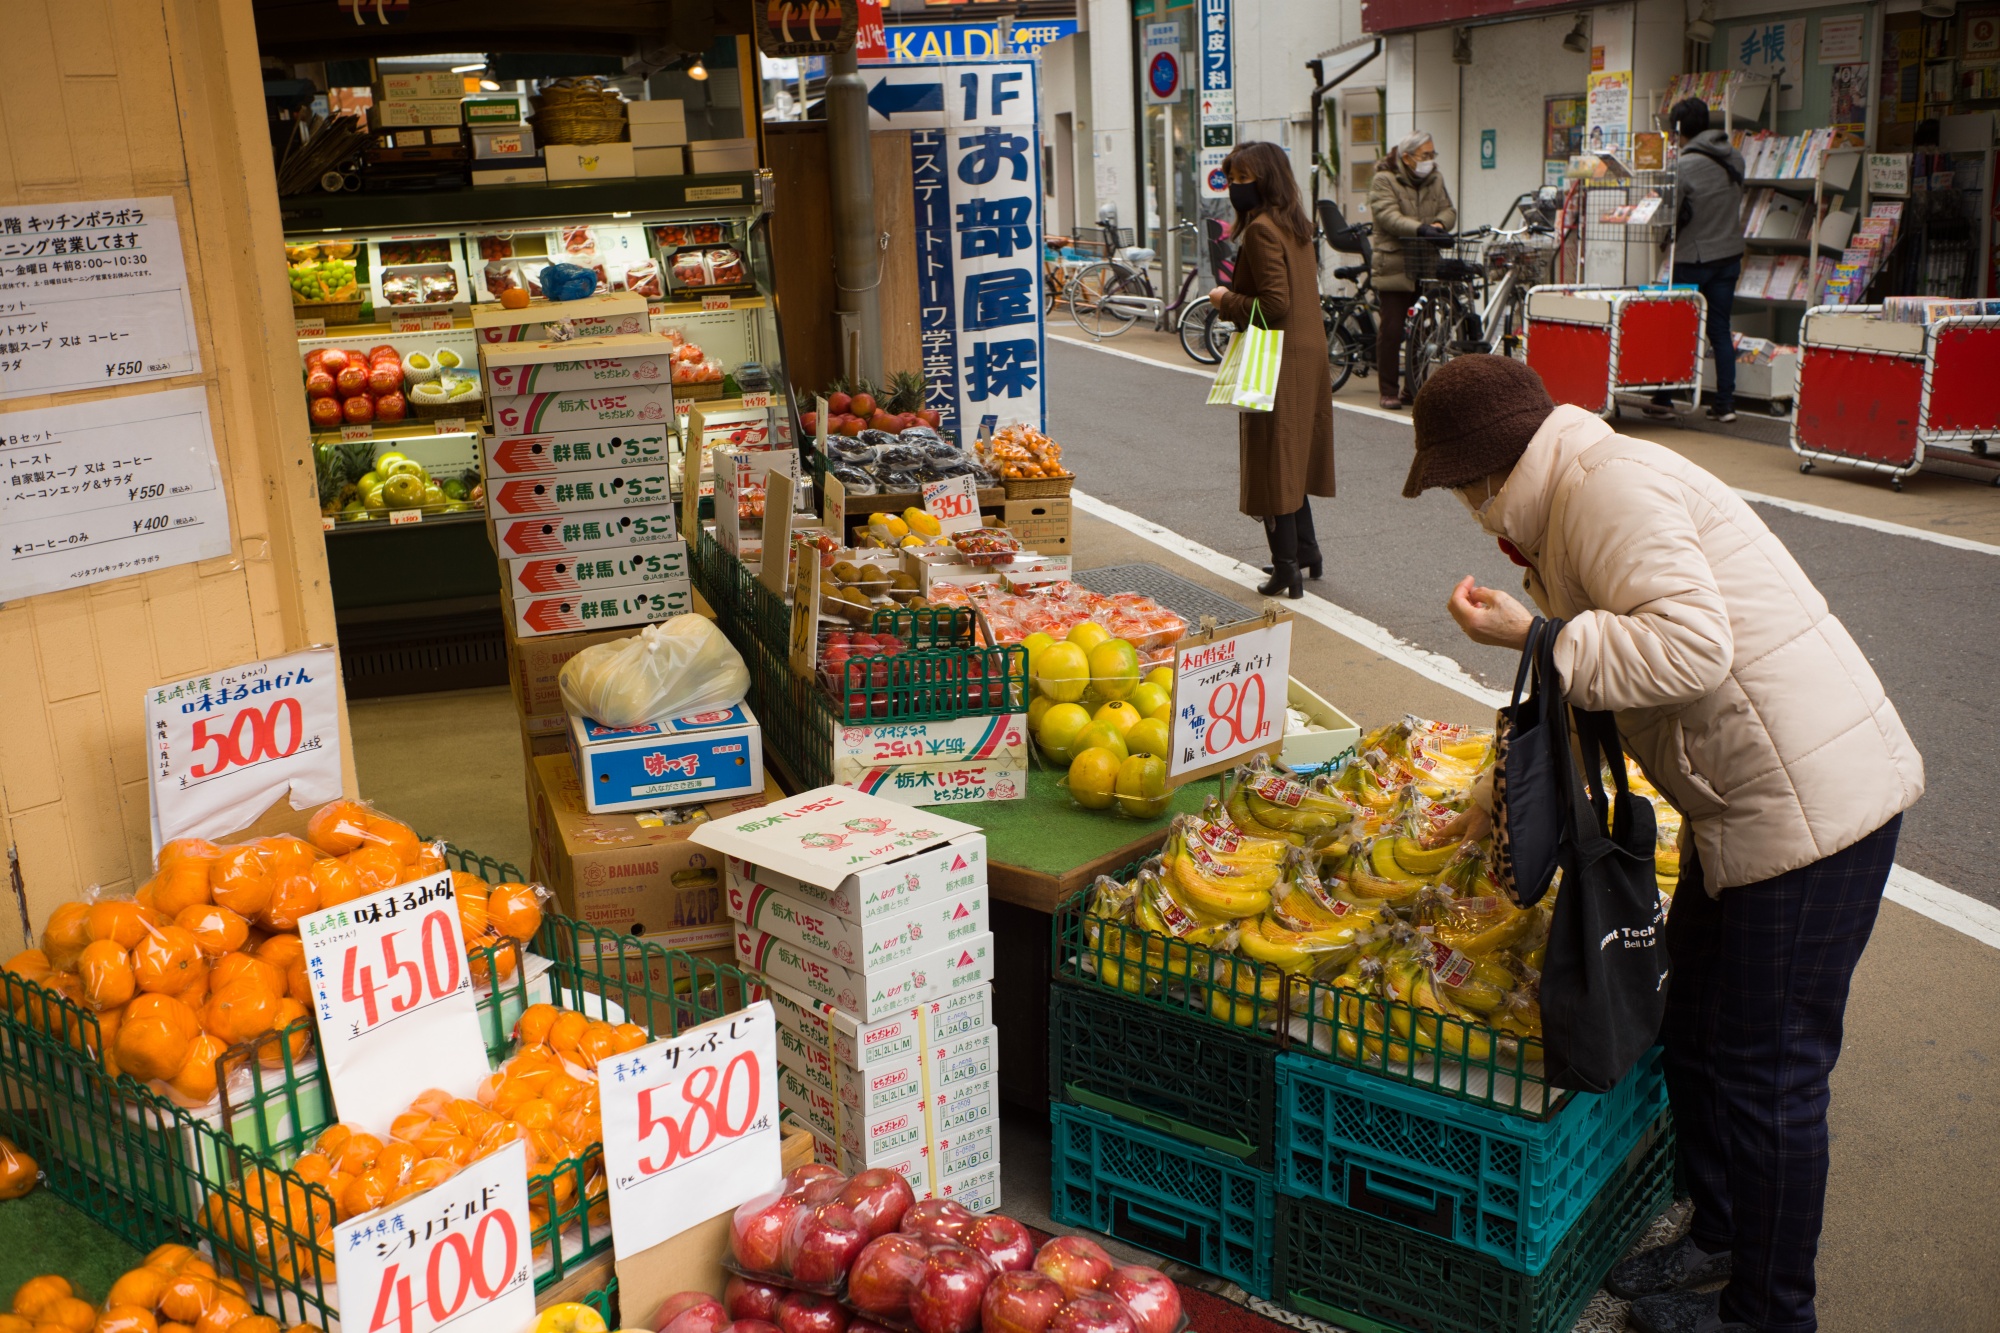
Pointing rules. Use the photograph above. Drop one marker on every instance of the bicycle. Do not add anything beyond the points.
(1111, 295)
(1351, 325)
(1058, 269)
(1448, 319)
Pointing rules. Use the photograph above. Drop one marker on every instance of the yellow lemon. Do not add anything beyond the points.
(1114, 668)
(1063, 673)
(1088, 635)
(1093, 775)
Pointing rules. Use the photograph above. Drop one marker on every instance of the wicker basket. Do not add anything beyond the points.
(697, 393)
(579, 116)
(469, 408)
(1037, 488)
(333, 312)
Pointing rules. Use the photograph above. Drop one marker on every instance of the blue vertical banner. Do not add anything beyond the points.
(975, 157)
(1218, 70)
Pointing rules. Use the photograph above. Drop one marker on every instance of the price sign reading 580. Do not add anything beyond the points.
(392, 997)
(690, 1126)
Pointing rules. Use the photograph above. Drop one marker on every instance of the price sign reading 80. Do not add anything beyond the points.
(1229, 698)
(700, 1111)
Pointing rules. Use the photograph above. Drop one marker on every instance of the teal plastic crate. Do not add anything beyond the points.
(1204, 1208)
(1350, 1270)
(1500, 1184)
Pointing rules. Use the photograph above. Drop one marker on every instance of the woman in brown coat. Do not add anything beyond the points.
(1286, 454)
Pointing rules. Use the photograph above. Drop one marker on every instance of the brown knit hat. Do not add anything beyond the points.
(1474, 417)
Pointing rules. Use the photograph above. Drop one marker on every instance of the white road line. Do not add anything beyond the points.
(1754, 497)
(1945, 906)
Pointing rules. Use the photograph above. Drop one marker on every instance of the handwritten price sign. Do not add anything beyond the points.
(458, 1254)
(1229, 699)
(690, 1127)
(392, 997)
(954, 503)
(226, 745)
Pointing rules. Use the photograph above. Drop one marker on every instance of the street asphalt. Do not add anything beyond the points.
(1142, 439)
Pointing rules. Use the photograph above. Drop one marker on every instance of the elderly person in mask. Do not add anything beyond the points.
(1406, 198)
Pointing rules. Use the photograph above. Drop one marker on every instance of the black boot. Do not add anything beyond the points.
(1285, 582)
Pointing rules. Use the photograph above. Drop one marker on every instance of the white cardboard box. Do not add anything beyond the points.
(578, 450)
(657, 111)
(884, 890)
(965, 738)
(606, 488)
(701, 758)
(952, 782)
(581, 409)
(712, 155)
(602, 608)
(621, 360)
(659, 160)
(955, 967)
(885, 1040)
(598, 315)
(512, 175)
(503, 144)
(882, 943)
(543, 576)
(587, 162)
(603, 530)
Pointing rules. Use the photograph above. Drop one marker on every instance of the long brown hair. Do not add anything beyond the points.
(1272, 171)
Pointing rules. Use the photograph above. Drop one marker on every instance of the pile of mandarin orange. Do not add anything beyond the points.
(174, 1291)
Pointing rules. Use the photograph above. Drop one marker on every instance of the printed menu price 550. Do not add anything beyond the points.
(392, 998)
(690, 1127)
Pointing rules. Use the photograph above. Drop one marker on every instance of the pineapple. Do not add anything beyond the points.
(328, 474)
(356, 457)
(905, 393)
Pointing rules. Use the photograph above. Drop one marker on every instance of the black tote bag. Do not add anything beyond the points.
(1529, 800)
(1604, 979)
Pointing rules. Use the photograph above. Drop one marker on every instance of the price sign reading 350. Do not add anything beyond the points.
(392, 997)
(690, 1126)
(954, 503)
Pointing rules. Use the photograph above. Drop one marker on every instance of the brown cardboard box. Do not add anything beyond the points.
(630, 873)
(1042, 525)
(533, 664)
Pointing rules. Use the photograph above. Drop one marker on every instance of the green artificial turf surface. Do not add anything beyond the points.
(39, 1233)
(1048, 832)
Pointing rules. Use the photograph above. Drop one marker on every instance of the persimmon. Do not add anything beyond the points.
(126, 1319)
(155, 1036)
(118, 919)
(234, 967)
(216, 929)
(337, 827)
(335, 882)
(18, 1171)
(292, 897)
(271, 1053)
(167, 961)
(65, 935)
(105, 969)
(514, 910)
(141, 1287)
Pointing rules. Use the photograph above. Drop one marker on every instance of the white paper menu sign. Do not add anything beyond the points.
(392, 998)
(92, 294)
(224, 745)
(1229, 698)
(824, 835)
(99, 490)
(458, 1254)
(690, 1127)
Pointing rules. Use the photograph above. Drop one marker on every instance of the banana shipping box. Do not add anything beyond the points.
(954, 782)
(577, 451)
(599, 530)
(541, 575)
(568, 612)
(956, 967)
(601, 315)
(881, 943)
(580, 409)
(626, 487)
(516, 368)
(675, 761)
(633, 874)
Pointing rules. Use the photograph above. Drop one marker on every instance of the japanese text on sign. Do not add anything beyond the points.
(975, 160)
(456, 1254)
(1229, 697)
(226, 745)
(954, 503)
(690, 1127)
(1218, 70)
(91, 294)
(95, 491)
(392, 998)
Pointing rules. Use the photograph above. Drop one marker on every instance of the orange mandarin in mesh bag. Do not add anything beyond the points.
(271, 1053)
(118, 919)
(234, 967)
(434, 1101)
(241, 1010)
(292, 896)
(515, 910)
(472, 925)
(281, 951)
(179, 885)
(532, 1027)
(38, 1293)
(393, 835)
(376, 868)
(397, 1160)
(566, 1031)
(71, 1312)
(630, 1037)
(240, 878)
(335, 882)
(141, 1287)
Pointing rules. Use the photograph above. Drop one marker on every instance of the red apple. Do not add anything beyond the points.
(862, 405)
(391, 407)
(703, 1315)
(866, 1326)
(948, 1293)
(838, 403)
(1020, 1303)
(319, 384)
(385, 379)
(830, 1239)
(674, 1304)
(380, 350)
(806, 1312)
(807, 1174)
(809, 422)
(350, 381)
(884, 1275)
(1149, 1296)
(332, 359)
(1092, 1314)
(935, 1221)
(929, 416)
(751, 1300)
(757, 1232)
(355, 356)
(752, 1326)
(1004, 1243)
(1079, 1266)
(358, 410)
(314, 357)
(879, 1198)
(325, 413)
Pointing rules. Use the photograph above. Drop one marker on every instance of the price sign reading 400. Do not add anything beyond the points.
(457, 1254)
(1229, 698)
(392, 998)
(690, 1127)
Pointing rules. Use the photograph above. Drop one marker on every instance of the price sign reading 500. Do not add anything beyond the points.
(252, 736)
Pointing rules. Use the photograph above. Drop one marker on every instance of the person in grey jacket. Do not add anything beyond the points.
(1708, 240)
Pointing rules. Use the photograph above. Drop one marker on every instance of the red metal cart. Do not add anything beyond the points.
(1590, 344)
(1880, 394)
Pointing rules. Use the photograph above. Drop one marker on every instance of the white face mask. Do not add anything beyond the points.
(1479, 510)
(1423, 169)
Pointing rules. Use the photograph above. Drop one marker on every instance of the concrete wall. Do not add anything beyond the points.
(1514, 66)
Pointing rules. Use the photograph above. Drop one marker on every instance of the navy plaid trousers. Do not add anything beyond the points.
(1752, 1030)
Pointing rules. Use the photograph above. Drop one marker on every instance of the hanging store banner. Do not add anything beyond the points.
(1216, 91)
(975, 160)
(925, 42)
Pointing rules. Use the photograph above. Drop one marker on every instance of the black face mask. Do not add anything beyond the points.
(1244, 195)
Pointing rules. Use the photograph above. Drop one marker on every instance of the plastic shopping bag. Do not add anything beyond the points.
(1248, 377)
(668, 670)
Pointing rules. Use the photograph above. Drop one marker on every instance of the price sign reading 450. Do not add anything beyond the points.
(690, 1126)
(392, 998)
(457, 1254)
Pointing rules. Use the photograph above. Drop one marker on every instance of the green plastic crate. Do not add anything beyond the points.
(1354, 1271)
(1201, 1082)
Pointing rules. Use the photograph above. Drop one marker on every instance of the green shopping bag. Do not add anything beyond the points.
(1248, 377)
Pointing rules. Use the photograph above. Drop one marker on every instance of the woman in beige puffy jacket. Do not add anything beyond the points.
(1750, 707)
